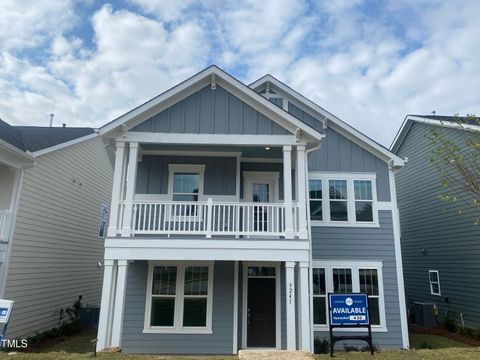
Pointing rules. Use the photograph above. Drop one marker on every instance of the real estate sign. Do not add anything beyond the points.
(5, 310)
(349, 309)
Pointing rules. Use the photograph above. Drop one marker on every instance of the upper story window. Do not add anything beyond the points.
(186, 182)
(434, 282)
(275, 98)
(343, 199)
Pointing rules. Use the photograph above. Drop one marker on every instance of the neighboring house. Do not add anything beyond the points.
(53, 182)
(235, 210)
(441, 247)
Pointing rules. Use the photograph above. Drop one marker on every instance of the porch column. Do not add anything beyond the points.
(106, 305)
(113, 224)
(130, 190)
(301, 193)
(287, 191)
(119, 307)
(290, 306)
(304, 311)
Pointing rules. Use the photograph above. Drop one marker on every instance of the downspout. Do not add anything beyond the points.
(312, 337)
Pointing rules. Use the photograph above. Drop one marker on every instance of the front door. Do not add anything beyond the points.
(261, 307)
(261, 194)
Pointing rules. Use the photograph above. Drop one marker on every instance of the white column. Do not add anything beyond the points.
(119, 307)
(130, 190)
(105, 320)
(304, 308)
(290, 306)
(287, 191)
(301, 193)
(113, 225)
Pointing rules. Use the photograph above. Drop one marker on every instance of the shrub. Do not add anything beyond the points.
(469, 332)
(366, 348)
(425, 345)
(449, 321)
(321, 346)
(350, 348)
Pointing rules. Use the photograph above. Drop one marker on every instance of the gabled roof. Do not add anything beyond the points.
(212, 74)
(332, 121)
(433, 120)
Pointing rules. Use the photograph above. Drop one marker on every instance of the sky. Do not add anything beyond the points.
(369, 62)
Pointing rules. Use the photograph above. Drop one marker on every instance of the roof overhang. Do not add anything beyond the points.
(332, 121)
(213, 76)
(13, 156)
(411, 119)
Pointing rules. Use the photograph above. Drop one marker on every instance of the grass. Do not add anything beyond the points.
(418, 341)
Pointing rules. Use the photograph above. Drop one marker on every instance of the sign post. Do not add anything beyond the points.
(5, 311)
(349, 311)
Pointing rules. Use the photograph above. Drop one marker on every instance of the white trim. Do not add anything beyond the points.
(278, 317)
(261, 160)
(270, 177)
(354, 265)
(119, 303)
(178, 328)
(290, 307)
(120, 160)
(13, 156)
(287, 191)
(334, 122)
(235, 308)
(305, 331)
(193, 168)
(130, 185)
(106, 308)
(209, 139)
(398, 260)
(193, 153)
(198, 81)
(349, 178)
(64, 144)
(434, 282)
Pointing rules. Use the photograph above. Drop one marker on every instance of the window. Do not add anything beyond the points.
(319, 297)
(185, 185)
(347, 277)
(434, 282)
(316, 197)
(363, 200)
(179, 298)
(350, 199)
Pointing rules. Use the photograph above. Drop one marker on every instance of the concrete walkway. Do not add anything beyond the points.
(274, 355)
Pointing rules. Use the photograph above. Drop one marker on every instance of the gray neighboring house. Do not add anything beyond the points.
(441, 248)
(53, 182)
(235, 210)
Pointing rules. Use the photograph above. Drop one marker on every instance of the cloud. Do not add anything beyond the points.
(368, 64)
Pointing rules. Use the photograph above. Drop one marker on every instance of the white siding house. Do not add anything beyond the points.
(51, 242)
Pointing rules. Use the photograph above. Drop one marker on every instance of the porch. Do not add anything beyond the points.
(206, 307)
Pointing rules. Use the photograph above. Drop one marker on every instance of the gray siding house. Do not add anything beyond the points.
(53, 182)
(235, 210)
(441, 247)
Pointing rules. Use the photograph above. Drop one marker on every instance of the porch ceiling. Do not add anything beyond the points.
(245, 151)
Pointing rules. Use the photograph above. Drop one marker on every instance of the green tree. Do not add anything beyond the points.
(457, 159)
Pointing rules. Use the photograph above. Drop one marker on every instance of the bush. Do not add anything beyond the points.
(350, 348)
(449, 321)
(425, 345)
(321, 346)
(366, 348)
(469, 332)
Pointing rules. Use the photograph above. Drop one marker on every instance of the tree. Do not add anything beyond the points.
(456, 154)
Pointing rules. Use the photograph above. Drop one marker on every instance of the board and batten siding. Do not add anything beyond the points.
(367, 244)
(219, 178)
(220, 342)
(434, 235)
(56, 245)
(209, 111)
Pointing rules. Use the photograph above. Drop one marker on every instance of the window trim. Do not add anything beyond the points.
(349, 177)
(434, 282)
(178, 327)
(354, 265)
(188, 168)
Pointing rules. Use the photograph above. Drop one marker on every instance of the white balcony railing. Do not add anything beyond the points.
(3, 224)
(208, 218)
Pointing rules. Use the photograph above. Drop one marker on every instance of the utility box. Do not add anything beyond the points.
(425, 314)
(89, 315)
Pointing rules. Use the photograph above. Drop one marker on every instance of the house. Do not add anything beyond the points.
(53, 182)
(235, 210)
(441, 247)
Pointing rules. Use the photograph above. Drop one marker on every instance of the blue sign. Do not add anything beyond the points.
(348, 309)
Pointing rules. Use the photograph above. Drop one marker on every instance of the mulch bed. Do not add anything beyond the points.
(441, 331)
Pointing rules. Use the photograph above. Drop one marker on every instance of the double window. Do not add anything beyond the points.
(179, 298)
(343, 199)
(340, 277)
(434, 282)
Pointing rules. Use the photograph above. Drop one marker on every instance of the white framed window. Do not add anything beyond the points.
(347, 277)
(179, 297)
(343, 199)
(434, 279)
(185, 182)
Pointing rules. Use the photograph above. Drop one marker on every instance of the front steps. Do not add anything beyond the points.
(274, 355)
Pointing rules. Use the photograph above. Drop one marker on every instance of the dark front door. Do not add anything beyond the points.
(261, 312)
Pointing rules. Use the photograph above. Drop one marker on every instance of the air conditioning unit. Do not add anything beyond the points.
(425, 314)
